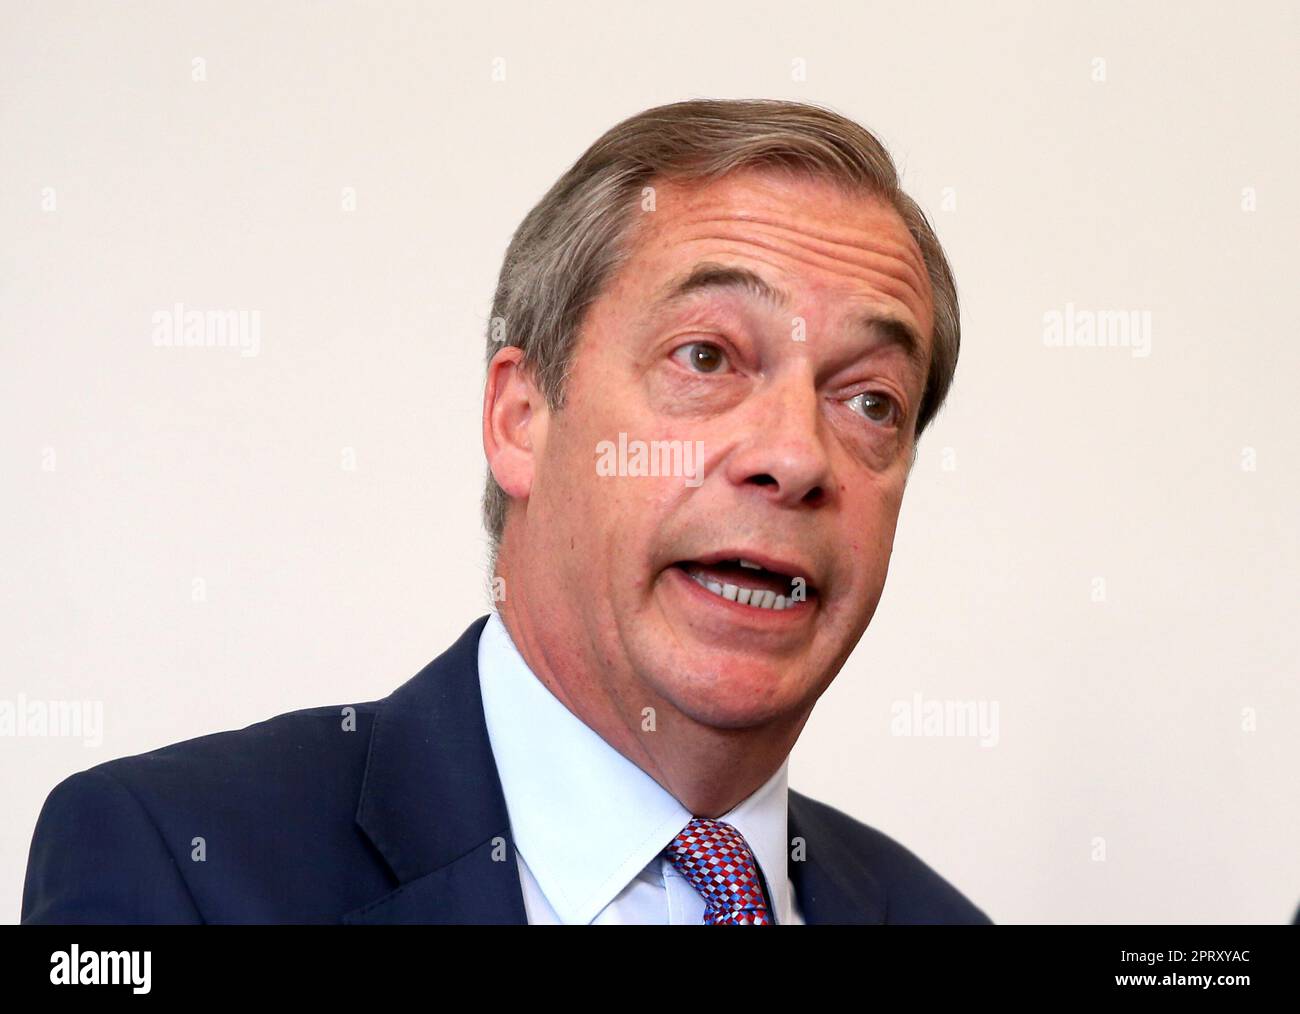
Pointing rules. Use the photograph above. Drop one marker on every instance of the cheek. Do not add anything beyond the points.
(873, 508)
(564, 496)
(588, 493)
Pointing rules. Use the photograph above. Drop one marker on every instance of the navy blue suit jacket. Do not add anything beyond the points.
(401, 820)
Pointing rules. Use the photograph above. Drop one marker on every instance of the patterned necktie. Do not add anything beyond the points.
(714, 857)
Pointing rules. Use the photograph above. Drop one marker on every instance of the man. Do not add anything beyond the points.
(714, 345)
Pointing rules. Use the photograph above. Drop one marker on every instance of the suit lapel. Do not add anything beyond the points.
(830, 882)
(431, 801)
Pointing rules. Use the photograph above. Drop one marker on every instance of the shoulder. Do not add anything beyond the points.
(913, 891)
(278, 759)
(115, 842)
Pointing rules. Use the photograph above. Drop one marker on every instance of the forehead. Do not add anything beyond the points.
(826, 245)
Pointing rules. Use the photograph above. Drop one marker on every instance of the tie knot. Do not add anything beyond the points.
(715, 858)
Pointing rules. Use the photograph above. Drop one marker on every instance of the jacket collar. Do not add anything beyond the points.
(432, 805)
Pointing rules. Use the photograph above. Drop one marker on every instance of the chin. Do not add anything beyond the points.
(740, 699)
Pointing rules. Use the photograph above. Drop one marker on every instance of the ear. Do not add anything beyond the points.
(514, 422)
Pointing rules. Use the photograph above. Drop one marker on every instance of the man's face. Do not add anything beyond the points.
(800, 389)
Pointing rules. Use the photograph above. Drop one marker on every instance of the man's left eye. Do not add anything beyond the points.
(875, 406)
(701, 357)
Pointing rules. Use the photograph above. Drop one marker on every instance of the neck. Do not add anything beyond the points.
(709, 770)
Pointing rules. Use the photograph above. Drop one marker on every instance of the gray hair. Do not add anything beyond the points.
(573, 242)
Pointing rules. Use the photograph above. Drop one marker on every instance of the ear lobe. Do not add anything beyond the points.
(514, 421)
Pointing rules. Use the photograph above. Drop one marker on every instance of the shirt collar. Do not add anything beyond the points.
(584, 817)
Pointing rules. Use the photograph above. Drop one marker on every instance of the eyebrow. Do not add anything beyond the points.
(708, 276)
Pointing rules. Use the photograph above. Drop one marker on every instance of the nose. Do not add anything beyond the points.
(782, 451)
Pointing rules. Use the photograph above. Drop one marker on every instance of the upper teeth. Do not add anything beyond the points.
(751, 566)
(763, 598)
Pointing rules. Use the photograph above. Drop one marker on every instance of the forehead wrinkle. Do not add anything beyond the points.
(868, 242)
(890, 285)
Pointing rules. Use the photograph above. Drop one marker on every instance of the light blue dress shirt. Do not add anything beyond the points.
(588, 824)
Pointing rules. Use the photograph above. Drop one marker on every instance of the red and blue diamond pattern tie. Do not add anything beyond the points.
(714, 857)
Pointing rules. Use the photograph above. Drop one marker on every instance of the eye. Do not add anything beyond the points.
(701, 357)
(876, 406)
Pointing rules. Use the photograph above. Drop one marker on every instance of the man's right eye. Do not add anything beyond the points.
(701, 357)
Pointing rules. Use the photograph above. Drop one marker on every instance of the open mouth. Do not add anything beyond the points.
(749, 584)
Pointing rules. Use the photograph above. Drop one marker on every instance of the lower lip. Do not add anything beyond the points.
(791, 615)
